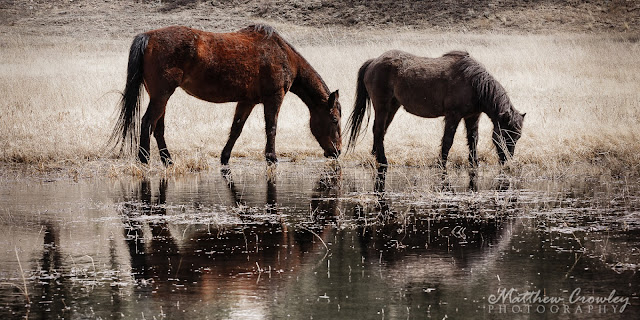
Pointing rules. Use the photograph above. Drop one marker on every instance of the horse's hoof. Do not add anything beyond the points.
(271, 158)
(167, 162)
(442, 164)
(226, 174)
(165, 157)
(224, 158)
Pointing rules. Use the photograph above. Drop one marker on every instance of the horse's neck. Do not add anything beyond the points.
(501, 118)
(309, 87)
(497, 112)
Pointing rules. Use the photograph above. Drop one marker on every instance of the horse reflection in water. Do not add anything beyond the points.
(435, 243)
(274, 247)
(238, 257)
(52, 289)
(161, 244)
(323, 203)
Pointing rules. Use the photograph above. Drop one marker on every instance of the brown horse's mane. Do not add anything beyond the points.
(490, 93)
(307, 72)
(251, 66)
(261, 28)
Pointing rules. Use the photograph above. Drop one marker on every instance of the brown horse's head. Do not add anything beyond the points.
(506, 134)
(325, 126)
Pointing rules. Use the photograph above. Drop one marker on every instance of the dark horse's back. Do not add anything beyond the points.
(426, 87)
(455, 86)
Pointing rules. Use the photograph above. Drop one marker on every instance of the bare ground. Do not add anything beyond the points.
(115, 18)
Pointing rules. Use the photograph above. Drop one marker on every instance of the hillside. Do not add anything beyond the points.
(116, 17)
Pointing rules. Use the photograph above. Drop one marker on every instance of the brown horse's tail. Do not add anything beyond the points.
(362, 104)
(126, 131)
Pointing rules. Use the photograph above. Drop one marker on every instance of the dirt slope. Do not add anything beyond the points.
(117, 17)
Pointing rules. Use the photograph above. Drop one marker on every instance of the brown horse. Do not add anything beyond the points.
(251, 66)
(454, 86)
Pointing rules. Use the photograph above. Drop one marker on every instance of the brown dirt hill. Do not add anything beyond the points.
(117, 17)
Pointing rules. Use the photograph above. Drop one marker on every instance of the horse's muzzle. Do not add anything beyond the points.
(335, 154)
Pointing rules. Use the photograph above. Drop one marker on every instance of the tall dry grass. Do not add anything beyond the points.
(581, 94)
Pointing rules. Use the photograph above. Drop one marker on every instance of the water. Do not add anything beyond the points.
(311, 241)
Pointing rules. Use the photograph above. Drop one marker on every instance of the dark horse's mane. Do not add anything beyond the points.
(491, 95)
(472, 89)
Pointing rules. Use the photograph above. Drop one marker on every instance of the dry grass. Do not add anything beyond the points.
(581, 94)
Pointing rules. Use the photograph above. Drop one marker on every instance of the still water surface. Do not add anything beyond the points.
(319, 242)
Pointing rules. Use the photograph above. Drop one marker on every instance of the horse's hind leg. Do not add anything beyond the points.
(393, 107)
(378, 138)
(243, 110)
(472, 138)
(158, 133)
(450, 126)
(384, 115)
(154, 112)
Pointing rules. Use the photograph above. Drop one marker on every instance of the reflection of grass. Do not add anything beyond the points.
(22, 289)
(579, 91)
(24, 281)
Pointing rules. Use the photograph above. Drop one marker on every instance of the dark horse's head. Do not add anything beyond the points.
(506, 133)
(494, 101)
(325, 126)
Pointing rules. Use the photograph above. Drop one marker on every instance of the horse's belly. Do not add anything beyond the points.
(216, 97)
(432, 99)
(421, 97)
(425, 110)
(221, 91)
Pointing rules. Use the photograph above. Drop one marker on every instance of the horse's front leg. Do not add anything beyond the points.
(450, 126)
(271, 110)
(472, 138)
(243, 110)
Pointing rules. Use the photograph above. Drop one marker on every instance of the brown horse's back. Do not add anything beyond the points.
(252, 66)
(426, 87)
(217, 67)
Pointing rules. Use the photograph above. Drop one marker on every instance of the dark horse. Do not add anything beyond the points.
(251, 66)
(454, 86)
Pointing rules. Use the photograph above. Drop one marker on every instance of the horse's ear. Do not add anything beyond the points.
(333, 97)
(524, 114)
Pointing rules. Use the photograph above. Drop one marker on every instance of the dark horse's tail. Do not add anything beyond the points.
(362, 104)
(126, 131)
